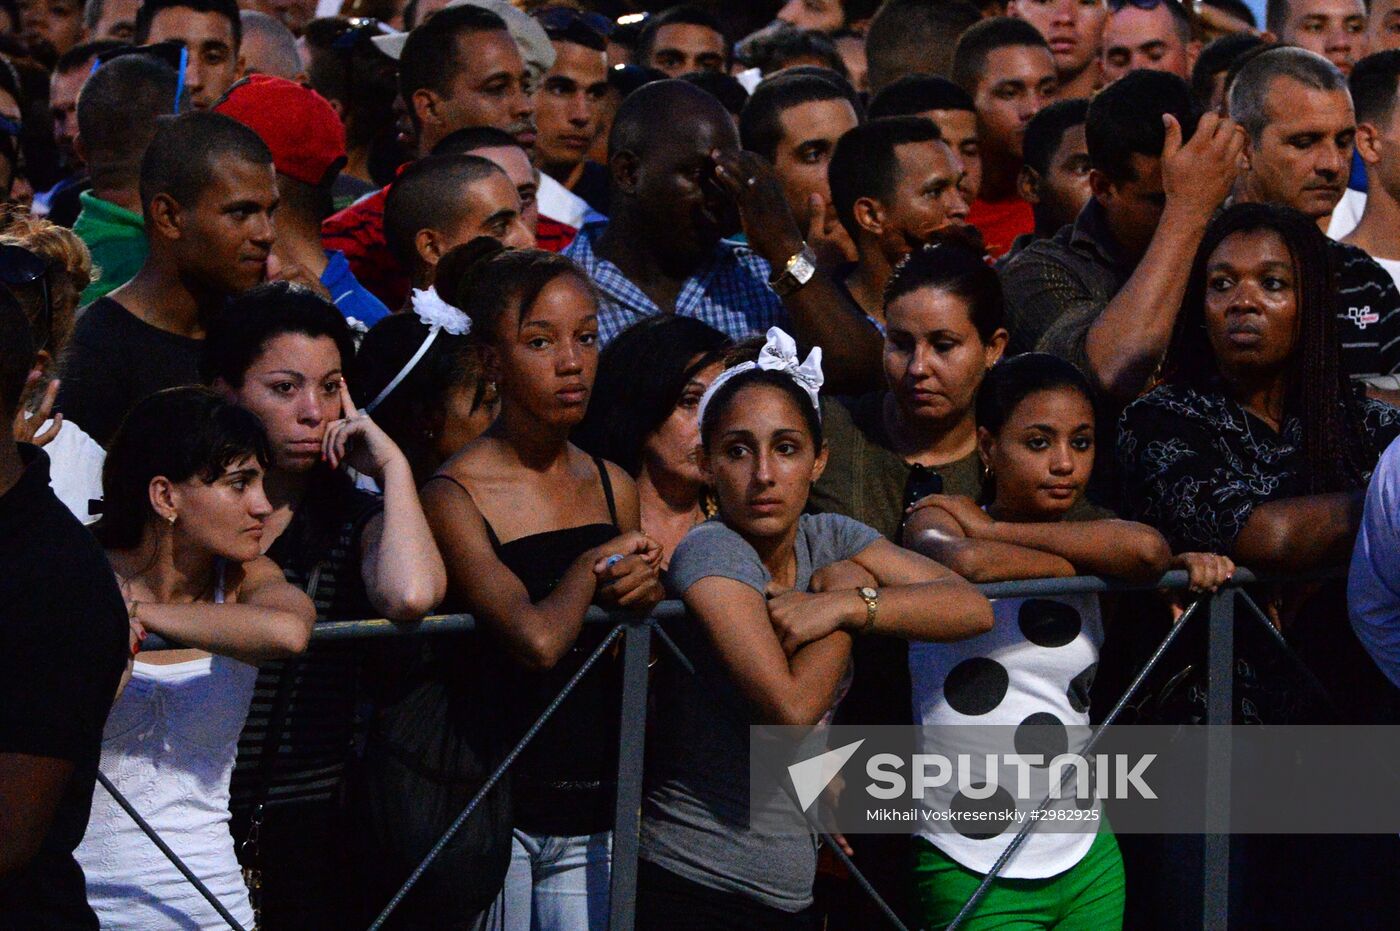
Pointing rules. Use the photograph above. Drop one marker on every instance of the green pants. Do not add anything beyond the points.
(1086, 897)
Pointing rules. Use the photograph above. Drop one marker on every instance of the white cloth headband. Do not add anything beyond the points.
(439, 316)
(779, 354)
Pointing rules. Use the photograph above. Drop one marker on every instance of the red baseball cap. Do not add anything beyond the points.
(302, 130)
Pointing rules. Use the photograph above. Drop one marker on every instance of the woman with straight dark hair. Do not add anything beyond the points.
(642, 416)
(775, 596)
(534, 531)
(944, 329)
(182, 522)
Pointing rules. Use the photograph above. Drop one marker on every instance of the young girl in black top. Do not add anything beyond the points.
(529, 526)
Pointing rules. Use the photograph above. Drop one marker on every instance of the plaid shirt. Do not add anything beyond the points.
(729, 291)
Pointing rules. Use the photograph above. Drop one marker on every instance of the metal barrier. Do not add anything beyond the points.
(636, 634)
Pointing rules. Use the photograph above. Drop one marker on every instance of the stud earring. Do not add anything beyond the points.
(171, 519)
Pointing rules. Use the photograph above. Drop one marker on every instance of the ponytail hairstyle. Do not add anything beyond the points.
(181, 434)
(490, 282)
(1011, 381)
(452, 361)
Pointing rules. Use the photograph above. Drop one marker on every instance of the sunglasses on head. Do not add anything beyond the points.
(20, 267)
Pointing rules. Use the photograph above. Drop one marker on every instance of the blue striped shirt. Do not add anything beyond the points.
(729, 291)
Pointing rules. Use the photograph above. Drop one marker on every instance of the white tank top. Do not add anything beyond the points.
(169, 747)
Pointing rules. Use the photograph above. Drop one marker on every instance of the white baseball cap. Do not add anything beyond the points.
(529, 35)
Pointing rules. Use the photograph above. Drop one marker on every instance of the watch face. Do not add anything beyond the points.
(869, 593)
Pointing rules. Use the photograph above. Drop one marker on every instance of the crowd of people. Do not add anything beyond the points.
(811, 315)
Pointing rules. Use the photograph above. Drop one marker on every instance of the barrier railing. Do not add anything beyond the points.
(636, 634)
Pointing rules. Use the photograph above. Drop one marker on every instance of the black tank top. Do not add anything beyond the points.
(565, 780)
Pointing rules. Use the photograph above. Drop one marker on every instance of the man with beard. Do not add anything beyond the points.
(894, 184)
(208, 191)
(675, 195)
(50, 27)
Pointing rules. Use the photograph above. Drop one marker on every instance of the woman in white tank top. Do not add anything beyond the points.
(182, 523)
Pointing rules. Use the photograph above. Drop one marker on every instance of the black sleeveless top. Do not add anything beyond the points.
(565, 780)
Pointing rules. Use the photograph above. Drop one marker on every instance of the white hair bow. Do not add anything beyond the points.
(436, 312)
(779, 354)
(440, 316)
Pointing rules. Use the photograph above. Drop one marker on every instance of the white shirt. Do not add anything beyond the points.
(1034, 667)
(75, 468)
(1346, 215)
(169, 747)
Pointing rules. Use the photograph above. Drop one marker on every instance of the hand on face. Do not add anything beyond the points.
(26, 426)
(358, 441)
(754, 187)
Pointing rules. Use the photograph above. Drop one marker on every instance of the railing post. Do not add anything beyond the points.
(1220, 702)
(631, 746)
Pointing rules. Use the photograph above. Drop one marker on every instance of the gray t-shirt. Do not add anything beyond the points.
(696, 813)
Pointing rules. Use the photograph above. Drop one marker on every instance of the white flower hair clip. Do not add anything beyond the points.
(440, 317)
(779, 354)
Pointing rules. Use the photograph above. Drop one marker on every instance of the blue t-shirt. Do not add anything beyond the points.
(348, 294)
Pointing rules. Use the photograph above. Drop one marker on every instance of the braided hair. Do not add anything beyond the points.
(1336, 448)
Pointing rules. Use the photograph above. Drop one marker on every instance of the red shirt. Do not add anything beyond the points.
(999, 222)
(358, 231)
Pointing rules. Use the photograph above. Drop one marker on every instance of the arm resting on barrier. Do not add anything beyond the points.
(781, 689)
(535, 634)
(1122, 549)
(935, 533)
(270, 618)
(1295, 534)
(918, 600)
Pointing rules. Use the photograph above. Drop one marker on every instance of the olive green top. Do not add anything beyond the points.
(865, 478)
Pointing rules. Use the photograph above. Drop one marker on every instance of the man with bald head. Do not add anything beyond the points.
(675, 197)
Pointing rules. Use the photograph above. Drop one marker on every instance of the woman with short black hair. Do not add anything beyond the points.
(183, 517)
(642, 416)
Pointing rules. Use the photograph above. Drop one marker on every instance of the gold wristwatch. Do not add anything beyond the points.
(871, 597)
